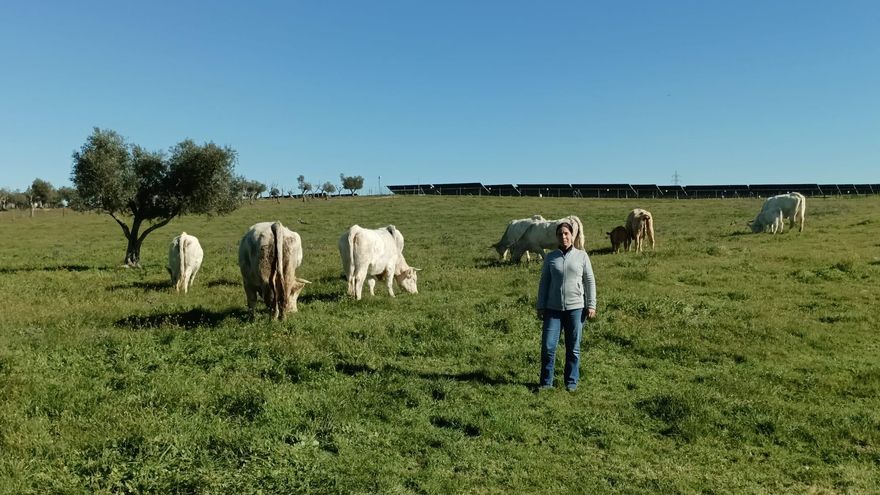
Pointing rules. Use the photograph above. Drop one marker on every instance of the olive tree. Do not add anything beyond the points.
(304, 186)
(353, 183)
(328, 188)
(41, 192)
(142, 189)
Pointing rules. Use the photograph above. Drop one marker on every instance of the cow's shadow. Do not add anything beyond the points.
(602, 251)
(485, 263)
(224, 282)
(52, 268)
(144, 285)
(190, 319)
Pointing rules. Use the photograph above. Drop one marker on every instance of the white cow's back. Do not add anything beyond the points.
(185, 256)
(368, 253)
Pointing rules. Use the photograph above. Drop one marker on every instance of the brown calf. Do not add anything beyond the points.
(619, 236)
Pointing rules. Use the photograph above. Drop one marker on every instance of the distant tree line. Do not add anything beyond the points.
(308, 190)
(40, 194)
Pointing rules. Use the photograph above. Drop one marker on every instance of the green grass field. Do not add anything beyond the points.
(724, 362)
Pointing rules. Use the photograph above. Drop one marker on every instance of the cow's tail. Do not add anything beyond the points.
(351, 262)
(579, 236)
(181, 253)
(276, 278)
(801, 212)
(649, 229)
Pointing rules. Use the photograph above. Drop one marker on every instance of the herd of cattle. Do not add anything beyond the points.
(270, 253)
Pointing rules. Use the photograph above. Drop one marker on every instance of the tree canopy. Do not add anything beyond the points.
(304, 186)
(42, 192)
(328, 188)
(353, 183)
(125, 180)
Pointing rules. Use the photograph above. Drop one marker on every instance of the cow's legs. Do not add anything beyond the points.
(358, 282)
(192, 278)
(389, 281)
(371, 282)
(251, 294)
(185, 280)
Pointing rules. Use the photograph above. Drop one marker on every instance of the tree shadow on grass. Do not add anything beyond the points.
(191, 319)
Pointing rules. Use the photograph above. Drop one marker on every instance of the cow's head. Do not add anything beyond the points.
(756, 226)
(500, 249)
(295, 288)
(407, 279)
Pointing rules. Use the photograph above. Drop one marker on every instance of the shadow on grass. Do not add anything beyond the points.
(53, 268)
(224, 282)
(307, 298)
(194, 318)
(496, 263)
(143, 285)
(603, 251)
(479, 376)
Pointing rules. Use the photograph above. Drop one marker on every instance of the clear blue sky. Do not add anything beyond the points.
(444, 91)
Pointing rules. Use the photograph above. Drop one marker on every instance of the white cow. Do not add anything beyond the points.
(515, 229)
(771, 219)
(268, 257)
(640, 226)
(184, 259)
(542, 235)
(792, 205)
(367, 254)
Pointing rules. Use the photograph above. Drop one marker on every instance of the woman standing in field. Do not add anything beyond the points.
(566, 297)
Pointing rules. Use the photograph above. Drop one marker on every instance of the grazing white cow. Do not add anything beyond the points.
(793, 207)
(184, 259)
(771, 220)
(367, 254)
(268, 257)
(640, 226)
(542, 235)
(515, 229)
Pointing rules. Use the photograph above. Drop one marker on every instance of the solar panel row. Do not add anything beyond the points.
(633, 190)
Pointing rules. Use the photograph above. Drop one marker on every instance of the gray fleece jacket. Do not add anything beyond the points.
(564, 278)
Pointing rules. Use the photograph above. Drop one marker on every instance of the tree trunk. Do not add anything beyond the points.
(133, 252)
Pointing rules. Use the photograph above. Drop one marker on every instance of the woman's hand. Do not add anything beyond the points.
(589, 314)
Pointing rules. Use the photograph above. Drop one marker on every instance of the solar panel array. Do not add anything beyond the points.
(633, 190)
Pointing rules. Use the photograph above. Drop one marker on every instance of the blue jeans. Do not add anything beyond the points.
(570, 322)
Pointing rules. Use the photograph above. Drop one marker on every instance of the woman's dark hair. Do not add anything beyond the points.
(566, 225)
